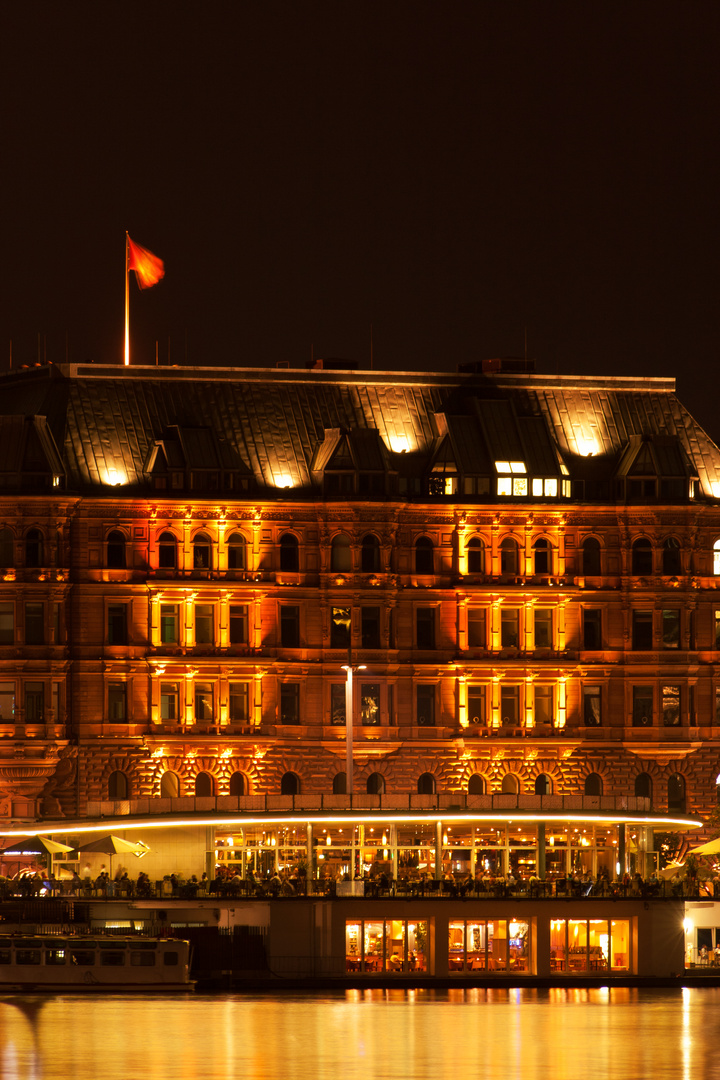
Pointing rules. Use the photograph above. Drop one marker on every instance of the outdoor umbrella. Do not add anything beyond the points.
(712, 847)
(114, 845)
(36, 845)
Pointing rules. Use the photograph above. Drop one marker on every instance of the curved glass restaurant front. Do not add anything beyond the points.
(410, 848)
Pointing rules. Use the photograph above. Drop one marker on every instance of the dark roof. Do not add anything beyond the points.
(271, 422)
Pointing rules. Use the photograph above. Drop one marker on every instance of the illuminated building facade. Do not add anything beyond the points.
(523, 569)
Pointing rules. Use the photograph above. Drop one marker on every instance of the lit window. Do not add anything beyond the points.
(537, 487)
(520, 487)
(504, 486)
(567, 488)
(517, 467)
(551, 488)
(502, 466)
(716, 557)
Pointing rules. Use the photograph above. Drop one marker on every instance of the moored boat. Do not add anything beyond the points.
(40, 963)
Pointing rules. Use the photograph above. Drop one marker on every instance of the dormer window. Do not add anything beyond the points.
(511, 480)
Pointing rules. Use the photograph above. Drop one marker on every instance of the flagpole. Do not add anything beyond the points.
(127, 304)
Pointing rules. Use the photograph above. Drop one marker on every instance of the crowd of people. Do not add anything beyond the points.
(377, 882)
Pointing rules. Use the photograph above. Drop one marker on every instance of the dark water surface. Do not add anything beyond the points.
(366, 1035)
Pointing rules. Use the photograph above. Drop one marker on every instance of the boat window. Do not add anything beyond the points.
(28, 956)
(55, 957)
(144, 945)
(83, 957)
(112, 959)
(4, 956)
(112, 944)
(142, 959)
(171, 959)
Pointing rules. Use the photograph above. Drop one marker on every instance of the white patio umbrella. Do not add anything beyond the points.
(114, 845)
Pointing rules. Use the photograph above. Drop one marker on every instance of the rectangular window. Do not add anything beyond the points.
(642, 630)
(55, 699)
(504, 485)
(671, 706)
(374, 946)
(290, 626)
(169, 624)
(425, 627)
(7, 702)
(477, 632)
(7, 623)
(204, 624)
(543, 628)
(204, 703)
(592, 711)
(239, 624)
(476, 705)
(290, 703)
(425, 705)
(520, 486)
(717, 629)
(671, 628)
(592, 629)
(238, 700)
(34, 623)
(642, 714)
(340, 625)
(544, 712)
(337, 704)
(370, 627)
(717, 701)
(34, 702)
(117, 624)
(169, 701)
(509, 628)
(510, 706)
(369, 704)
(117, 702)
(55, 622)
(391, 704)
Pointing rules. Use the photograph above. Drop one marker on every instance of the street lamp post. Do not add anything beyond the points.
(348, 668)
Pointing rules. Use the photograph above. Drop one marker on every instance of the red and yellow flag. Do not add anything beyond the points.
(148, 268)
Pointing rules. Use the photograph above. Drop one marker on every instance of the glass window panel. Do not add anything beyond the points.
(477, 638)
(477, 704)
(169, 701)
(337, 704)
(340, 628)
(642, 712)
(509, 628)
(577, 945)
(543, 628)
(204, 706)
(671, 706)
(370, 704)
(497, 945)
(671, 628)
(204, 624)
(370, 627)
(7, 702)
(238, 702)
(558, 945)
(169, 624)
(238, 624)
(7, 623)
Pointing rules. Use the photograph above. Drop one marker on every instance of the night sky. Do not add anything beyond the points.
(453, 173)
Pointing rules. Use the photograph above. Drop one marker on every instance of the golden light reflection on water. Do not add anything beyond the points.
(563, 1034)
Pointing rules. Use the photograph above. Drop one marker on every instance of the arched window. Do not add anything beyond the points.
(510, 784)
(542, 556)
(204, 784)
(290, 784)
(340, 553)
(426, 784)
(118, 787)
(591, 557)
(671, 561)
(509, 556)
(643, 785)
(115, 551)
(238, 784)
(167, 551)
(170, 785)
(202, 552)
(375, 784)
(7, 552)
(475, 556)
(593, 784)
(716, 558)
(34, 548)
(424, 556)
(642, 561)
(289, 556)
(676, 794)
(237, 552)
(543, 784)
(476, 784)
(340, 784)
(370, 554)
